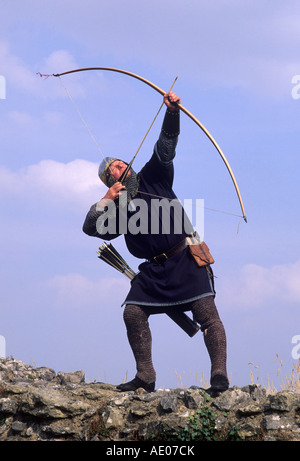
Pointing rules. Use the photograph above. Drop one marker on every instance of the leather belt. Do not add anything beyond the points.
(161, 258)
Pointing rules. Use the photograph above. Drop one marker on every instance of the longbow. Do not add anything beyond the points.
(181, 107)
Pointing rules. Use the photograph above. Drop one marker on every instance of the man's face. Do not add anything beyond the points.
(117, 168)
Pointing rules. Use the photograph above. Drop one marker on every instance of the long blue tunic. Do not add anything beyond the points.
(178, 280)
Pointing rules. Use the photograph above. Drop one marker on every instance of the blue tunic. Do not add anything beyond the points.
(179, 279)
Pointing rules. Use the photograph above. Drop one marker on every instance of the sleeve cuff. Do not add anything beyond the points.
(171, 123)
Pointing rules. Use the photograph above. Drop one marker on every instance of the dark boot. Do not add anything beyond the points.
(219, 383)
(136, 383)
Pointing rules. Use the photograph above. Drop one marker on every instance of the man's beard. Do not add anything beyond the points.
(131, 183)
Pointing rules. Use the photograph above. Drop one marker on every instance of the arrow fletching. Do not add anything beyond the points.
(111, 256)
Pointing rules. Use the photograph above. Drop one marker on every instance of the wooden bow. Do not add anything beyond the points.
(182, 108)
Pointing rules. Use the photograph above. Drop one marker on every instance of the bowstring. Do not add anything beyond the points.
(93, 137)
(199, 206)
(81, 117)
(131, 162)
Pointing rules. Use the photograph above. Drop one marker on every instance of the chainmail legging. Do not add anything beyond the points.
(204, 313)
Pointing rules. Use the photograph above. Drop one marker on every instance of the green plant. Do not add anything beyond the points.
(201, 426)
(233, 435)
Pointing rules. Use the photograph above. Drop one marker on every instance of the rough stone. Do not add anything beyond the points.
(168, 403)
(76, 377)
(284, 401)
(37, 404)
(231, 398)
(8, 406)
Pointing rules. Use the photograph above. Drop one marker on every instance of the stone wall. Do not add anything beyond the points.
(37, 404)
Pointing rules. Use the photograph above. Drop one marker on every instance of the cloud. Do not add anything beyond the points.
(74, 183)
(20, 118)
(245, 44)
(76, 291)
(57, 62)
(258, 287)
(15, 71)
(21, 77)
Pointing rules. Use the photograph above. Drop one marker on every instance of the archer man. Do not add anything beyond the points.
(169, 279)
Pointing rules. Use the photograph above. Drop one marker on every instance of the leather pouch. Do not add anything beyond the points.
(201, 254)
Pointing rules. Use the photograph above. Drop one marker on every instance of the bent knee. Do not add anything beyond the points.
(133, 314)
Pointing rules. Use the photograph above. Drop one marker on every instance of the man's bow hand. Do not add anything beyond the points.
(171, 100)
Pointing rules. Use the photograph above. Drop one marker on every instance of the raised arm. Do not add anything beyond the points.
(168, 138)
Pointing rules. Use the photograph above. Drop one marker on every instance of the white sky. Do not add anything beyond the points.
(235, 61)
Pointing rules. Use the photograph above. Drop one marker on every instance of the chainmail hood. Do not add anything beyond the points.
(131, 183)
